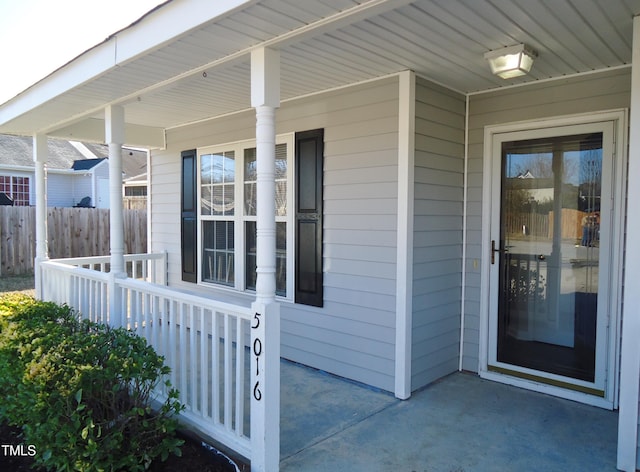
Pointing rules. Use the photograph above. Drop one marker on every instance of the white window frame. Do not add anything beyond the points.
(240, 218)
(12, 186)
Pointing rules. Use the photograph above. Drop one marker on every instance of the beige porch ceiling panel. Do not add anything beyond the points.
(330, 43)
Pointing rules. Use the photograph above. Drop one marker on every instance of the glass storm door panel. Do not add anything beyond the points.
(548, 323)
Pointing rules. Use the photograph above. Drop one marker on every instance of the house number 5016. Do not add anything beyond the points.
(257, 352)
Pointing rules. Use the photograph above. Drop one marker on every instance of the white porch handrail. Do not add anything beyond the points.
(203, 341)
(150, 267)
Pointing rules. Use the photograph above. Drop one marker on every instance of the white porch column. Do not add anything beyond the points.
(114, 137)
(630, 350)
(114, 134)
(40, 151)
(265, 328)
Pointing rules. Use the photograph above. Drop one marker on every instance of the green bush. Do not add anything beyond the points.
(82, 391)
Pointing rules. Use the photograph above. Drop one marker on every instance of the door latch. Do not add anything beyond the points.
(494, 250)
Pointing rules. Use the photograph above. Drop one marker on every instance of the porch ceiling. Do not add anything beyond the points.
(202, 71)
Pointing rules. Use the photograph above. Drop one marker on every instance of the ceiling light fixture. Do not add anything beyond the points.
(512, 61)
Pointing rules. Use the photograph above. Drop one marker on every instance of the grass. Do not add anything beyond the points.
(18, 283)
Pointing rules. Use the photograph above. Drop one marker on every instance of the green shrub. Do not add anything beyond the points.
(82, 391)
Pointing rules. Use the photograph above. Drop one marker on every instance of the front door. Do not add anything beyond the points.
(550, 256)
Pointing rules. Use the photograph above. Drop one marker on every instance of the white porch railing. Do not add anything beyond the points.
(148, 267)
(203, 341)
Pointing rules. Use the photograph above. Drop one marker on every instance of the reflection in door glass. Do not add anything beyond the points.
(550, 237)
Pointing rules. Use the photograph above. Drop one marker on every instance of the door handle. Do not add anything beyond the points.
(494, 250)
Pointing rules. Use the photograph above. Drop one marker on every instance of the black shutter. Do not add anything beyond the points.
(189, 221)
(308, 258)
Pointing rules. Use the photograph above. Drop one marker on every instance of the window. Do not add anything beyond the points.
(218, 216)
(227, 246)
(218, 252)
(17, 188)
(250, 181)
(135, 191)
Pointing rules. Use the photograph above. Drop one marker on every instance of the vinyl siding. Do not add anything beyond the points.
(583, 94)
(60, 190)
(83, 187)
(353, 335)
(438, 217)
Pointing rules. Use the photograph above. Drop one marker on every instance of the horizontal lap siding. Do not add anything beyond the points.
(353, 335)
(437, 253)
(60, 191)
(582, 94)
(82, 187)
(164, 209)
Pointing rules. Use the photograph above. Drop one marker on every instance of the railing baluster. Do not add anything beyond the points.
(239, 426)
(215, 368)
(170, 339)
(193, 357)
(228, 376)
(183, 352)
(204, 365)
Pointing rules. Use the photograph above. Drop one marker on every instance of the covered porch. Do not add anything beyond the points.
(328, 424)
(400, 101)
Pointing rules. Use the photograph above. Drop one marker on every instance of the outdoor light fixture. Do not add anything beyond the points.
(512, 61)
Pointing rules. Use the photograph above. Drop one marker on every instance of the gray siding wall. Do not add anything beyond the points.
(353, 335)
(438, 218)
(588, 93)
(83, 187)
(60, 190)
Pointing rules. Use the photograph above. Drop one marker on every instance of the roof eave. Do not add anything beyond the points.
(154, 29)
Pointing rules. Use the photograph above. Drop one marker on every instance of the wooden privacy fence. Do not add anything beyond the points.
(72, 232)
(527, 224)
(536, 225)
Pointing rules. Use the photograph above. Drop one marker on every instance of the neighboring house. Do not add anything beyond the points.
(17, 171)
(387, 143)
(75, 171)
(135, 191)
(134, 176)
(91, 179)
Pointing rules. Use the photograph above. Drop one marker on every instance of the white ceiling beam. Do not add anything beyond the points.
(93, 130)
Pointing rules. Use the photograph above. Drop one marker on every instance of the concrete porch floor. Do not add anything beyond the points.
(458, 424)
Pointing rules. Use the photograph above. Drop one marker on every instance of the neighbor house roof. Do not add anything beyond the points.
(17, 151)
(134, 161)
(86, 164)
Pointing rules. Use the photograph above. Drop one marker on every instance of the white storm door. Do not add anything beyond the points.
(551, 255)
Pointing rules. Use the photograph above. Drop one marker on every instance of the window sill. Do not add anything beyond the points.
(229, 295)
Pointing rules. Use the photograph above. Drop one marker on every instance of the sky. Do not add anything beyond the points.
(39, 36)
